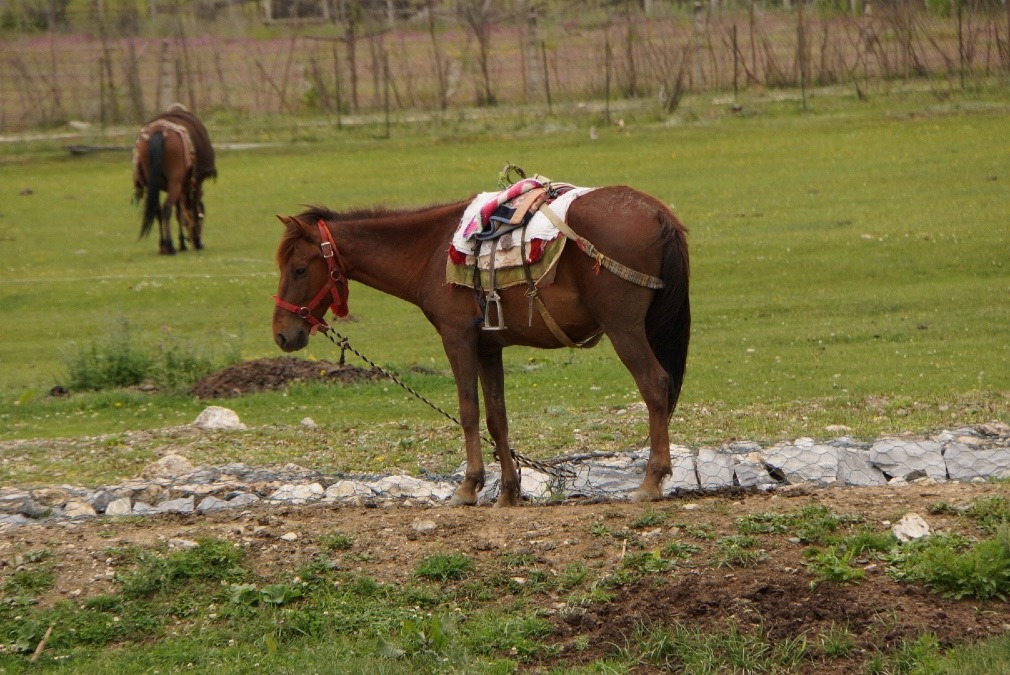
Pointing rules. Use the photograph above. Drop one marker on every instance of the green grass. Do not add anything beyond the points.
(844, 269)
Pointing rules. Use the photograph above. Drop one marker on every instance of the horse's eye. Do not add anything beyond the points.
(300, 272)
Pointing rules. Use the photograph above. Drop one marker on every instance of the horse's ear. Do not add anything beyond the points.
(285, 220)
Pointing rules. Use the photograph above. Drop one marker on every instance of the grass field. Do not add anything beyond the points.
(849, 267)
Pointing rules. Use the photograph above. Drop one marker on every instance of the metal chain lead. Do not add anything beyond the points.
(556, 472)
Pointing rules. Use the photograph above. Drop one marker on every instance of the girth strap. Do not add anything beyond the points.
(623, 271)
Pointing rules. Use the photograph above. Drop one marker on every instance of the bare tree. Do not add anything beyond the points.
(440, 74)
(350, 16)
(480, 16)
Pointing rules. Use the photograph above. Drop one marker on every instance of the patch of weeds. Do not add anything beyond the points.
(649, 519)
(519, 636)
(120, 361)
(981, 572)
(838, 642)
(910, 656)
(432, 634)
(596, 595)
(678, 549)
(273, 595)
(444, 567)
(210, 560)
(989, 512)
(763, 523)
(572, 576)
(868, 541)
(739, 551)
(647, 562)
(29, 581)
(701, 531)
(944, 509)
(513, 559)
(829, 565)
(336, 541)
(682, 648)
(598, 529)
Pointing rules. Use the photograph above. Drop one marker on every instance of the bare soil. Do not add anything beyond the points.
(776, 594)
(274, 373)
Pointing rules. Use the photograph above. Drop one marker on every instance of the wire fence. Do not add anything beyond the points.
(105, 64)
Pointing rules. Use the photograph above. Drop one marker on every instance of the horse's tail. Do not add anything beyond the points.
(668, 321)
(155, 179)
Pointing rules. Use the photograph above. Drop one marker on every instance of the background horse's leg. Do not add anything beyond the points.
(461, 351)
(633, 348)
(492, 380)
(165, 226)
(183, 223)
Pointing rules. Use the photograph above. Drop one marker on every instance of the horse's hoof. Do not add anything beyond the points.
(507, 500)
(458, 500)
(646, 495)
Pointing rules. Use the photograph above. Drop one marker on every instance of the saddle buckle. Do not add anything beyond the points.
(493, 300)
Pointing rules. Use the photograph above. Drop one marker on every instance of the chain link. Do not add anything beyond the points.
(558, 473)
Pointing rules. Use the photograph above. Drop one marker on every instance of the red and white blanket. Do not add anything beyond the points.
(540, 229)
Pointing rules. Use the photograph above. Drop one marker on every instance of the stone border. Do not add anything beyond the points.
(173, 485)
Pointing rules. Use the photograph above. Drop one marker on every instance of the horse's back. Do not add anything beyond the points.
(625, 224)
(204, 166)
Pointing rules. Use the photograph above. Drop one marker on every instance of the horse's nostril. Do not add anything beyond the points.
(281, 340)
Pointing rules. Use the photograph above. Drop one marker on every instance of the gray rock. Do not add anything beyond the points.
(907, 459)
(144, 509)
(209, 504)
(715, 469)
(216, 418)
(964, 462)
(169, 466)
(750, 471)
(344, 489)
(298, 494)
(243, 499)
(23, 504)
(14, 519)
(184, 505)
(423, 526)
(101, 499)
(803, 461)
(911, 526)
(855, 468)
(77, 509)
(119, 507)
(534, 484)
(683, 471)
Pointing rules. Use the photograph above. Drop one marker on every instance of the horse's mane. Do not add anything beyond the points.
(316, 212)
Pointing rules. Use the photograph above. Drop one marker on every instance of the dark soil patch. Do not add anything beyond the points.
(275, 373)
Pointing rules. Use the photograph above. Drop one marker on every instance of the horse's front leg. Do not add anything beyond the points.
(492, 380)
(463, 359)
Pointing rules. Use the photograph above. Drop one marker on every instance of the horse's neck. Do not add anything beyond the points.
(393, 252)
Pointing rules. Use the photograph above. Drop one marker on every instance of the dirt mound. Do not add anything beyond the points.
(274, 373)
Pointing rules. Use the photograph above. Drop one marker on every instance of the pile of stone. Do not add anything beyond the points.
(173, 485)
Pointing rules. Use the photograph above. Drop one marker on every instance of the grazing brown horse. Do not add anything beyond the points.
(173, 154)
(403, 253)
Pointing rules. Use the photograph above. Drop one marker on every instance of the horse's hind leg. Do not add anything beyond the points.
(492, 379)
(183, 223)
(653, 382)
(165, 228)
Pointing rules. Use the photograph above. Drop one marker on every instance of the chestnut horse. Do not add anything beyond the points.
(173, 154)
(403, 253)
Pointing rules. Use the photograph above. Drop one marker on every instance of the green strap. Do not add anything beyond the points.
(587, 247)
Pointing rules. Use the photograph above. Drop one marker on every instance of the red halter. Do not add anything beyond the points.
(335, 277)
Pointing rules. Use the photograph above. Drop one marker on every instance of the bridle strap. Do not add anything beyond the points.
(336, 276)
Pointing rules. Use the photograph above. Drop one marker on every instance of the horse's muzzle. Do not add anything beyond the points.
(292, 343)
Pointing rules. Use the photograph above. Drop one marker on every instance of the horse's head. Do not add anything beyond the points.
(312, 280)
